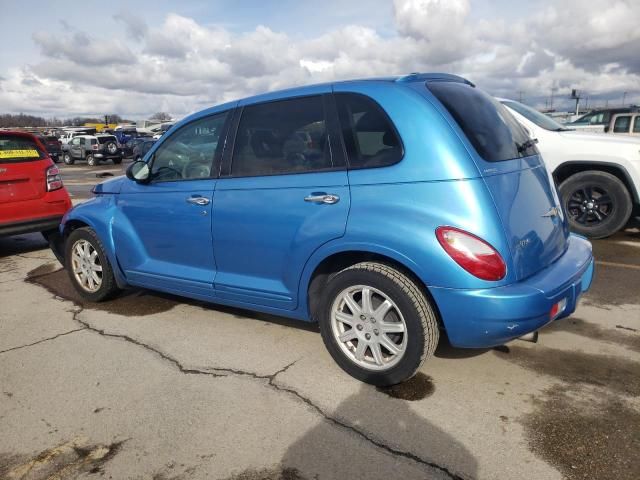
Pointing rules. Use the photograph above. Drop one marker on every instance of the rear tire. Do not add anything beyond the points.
(85, 256)
(91, 160)
(68, 159)
(597, 203)
(396, 339)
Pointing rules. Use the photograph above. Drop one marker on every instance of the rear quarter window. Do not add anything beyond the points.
(494, 133)
(18, 149)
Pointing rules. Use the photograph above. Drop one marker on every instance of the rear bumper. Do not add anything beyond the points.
(489, 317)
(30, 226)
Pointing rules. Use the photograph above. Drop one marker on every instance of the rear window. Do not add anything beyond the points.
(493, 131)
(18, 149)
(103, 140)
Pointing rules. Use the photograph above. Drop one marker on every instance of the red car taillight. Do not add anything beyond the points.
(95, 147)
(472, 253)
(54, 181)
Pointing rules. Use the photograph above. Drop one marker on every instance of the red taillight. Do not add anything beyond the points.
(472, 253)
(95, 147)
(557, 309)
(54, 181)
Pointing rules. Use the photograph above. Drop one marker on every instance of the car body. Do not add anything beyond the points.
(596, 164)
(597, 120)
(32, 196)
(130, 145)
(141, 147)
(407, 214)
(625, 124)
(92, 148)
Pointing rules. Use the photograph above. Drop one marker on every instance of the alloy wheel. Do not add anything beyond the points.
(590, 205)
(86, 265)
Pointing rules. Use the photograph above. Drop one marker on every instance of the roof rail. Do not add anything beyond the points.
(433, 77)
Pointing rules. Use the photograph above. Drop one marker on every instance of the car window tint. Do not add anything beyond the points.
(636, 124)
(370, 138)
(18, 149)
(189, 152)
(621, 124)
(493, 131)
(288, 136)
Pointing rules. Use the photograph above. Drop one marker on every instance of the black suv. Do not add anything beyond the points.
(93, 149)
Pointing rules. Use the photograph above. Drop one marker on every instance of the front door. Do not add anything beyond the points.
(282, 195)
(162, 229)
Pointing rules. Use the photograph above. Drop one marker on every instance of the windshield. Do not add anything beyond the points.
(494, 132)
(540, 119)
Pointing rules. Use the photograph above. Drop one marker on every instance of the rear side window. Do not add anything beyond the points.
(370, 138)
(18, 149)
(103, 140)
(282, 137)
(622, 123)
(636, 124)
(493, 131)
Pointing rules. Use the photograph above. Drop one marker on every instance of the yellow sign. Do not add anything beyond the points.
(19, 153)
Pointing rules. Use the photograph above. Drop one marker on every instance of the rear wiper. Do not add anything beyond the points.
(524, 146)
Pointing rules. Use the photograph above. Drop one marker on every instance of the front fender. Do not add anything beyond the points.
(98, 214)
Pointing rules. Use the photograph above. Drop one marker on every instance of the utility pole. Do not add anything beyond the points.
(520, 92)
(553, 90)
(624, 96)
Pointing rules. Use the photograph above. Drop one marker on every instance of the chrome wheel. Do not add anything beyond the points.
(369, 327)
(86, 266)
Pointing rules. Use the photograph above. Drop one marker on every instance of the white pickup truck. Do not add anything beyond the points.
(598, 176)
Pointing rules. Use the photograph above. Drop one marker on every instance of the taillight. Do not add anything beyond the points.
(54, 181)
(472, 253)
(95, 147)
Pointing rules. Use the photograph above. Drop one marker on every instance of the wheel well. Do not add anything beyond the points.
(71, 225)
(565, 170)
(339, 261)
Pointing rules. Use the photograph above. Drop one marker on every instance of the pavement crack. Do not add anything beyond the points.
(271, 382)
(43, 340)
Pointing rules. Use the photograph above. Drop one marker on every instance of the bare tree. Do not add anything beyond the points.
(160, 116)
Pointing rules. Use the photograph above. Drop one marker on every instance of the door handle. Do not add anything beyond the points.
(198, 200)
(328, 198)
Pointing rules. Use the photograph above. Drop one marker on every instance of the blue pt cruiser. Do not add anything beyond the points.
(387, 210)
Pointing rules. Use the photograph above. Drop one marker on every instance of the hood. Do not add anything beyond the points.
(603, 138)
(113, 185)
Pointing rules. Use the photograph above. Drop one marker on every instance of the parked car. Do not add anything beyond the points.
(624, 124)
(598, 175)
(424, 205)
(142, 147)
(53, 146)
(129, 147)
(597, 120)
(92, 148)
(32, 197)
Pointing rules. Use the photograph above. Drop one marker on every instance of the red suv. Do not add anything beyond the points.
(32, 197)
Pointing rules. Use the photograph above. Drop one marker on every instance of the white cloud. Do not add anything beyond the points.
(181, 65)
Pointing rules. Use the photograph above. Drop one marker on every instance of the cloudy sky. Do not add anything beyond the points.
(64, 58)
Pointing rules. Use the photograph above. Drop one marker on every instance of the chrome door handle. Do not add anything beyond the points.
(328, 198)
(198, 200)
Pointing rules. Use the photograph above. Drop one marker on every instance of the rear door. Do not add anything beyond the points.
(284, 192)
(523, 192)
(22, 170)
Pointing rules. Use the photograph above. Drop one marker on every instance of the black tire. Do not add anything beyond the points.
(108, 287)
(419, 316)
(611, 203)
(117, 161)
(91, 160)
(68, 159)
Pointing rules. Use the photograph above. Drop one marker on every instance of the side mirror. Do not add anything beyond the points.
(139, 172)
(606, 129)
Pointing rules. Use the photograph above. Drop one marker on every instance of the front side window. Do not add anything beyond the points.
(492, 130)
(189, 152)
(282, 137)
(621, 124)
(370, 138)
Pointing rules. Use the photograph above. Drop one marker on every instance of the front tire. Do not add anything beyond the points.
(88, 266)
(68, 159)
(377, 324)
(597, 203)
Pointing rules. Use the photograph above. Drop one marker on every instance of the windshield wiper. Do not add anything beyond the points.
(524, 146)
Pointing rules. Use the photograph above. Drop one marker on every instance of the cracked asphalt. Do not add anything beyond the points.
(149, 386)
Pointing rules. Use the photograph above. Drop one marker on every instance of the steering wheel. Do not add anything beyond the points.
(162, 171)
(196, 170)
